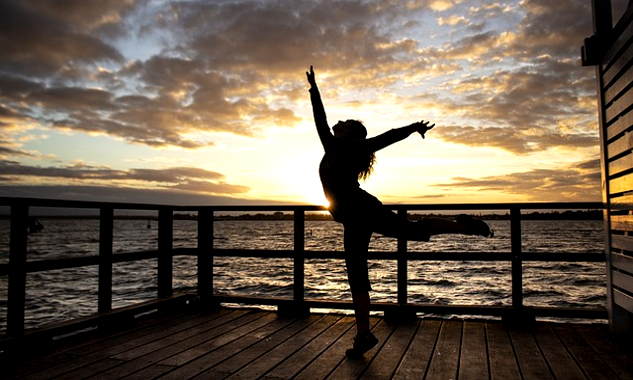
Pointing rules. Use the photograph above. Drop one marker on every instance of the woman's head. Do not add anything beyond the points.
(355, 130)
(350, 130)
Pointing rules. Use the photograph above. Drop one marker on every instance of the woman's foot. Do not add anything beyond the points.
(474, 226)
(363, 342)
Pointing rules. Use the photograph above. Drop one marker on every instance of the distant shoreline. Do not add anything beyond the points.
(554, 215)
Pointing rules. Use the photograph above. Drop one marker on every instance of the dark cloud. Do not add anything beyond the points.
(220, 61)
(121, 194)
(577, 182)
(539, 96)
(40, 38)
(176, 178)
(517, 140)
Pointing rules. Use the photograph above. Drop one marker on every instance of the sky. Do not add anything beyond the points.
(206, 102)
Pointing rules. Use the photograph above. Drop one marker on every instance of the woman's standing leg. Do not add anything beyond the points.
(356, 241)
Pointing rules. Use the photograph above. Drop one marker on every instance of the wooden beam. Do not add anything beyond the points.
(17, 272)
(106, 227)
(165, 258)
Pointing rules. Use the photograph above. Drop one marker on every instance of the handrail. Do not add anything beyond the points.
(18, 267)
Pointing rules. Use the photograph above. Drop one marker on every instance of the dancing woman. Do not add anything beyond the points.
(349, 157)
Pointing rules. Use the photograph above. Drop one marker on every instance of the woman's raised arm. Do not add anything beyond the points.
(320, 120)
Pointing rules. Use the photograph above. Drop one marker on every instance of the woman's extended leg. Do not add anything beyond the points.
(388, 223)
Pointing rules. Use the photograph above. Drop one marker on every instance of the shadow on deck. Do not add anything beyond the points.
(251, 344)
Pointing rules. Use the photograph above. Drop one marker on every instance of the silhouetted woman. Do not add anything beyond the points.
(349, 157)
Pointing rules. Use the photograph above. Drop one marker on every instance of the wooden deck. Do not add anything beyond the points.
(254, 344)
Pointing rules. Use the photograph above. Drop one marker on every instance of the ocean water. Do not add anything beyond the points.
(69, 293)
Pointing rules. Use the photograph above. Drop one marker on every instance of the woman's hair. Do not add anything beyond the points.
(368, 167)
(365, 164)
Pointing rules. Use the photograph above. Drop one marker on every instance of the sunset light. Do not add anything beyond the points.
(206, 102)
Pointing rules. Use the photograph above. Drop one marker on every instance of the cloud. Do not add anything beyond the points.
(179, 74)
(175, 178)
(224, 66)
(42, 38)
(516, 140)
(119, 194)
(576, 182)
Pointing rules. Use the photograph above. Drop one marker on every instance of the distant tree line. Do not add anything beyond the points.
(536, 215)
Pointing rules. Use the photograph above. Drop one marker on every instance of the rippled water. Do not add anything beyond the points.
(68, 293)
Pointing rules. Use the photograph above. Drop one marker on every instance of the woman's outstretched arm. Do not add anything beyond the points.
(320, 120)
(397, 134)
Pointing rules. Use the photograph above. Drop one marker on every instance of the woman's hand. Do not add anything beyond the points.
(311, 79)
(423, 126)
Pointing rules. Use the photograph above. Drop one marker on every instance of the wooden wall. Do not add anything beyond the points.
(610, 50)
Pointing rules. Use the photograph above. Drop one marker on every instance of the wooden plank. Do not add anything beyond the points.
(619, 146)
(473, 362)
(417, 358)
(218, 341)
(331, 358)
(445, 360)
(624, 56)
(609, 352)
(620, 165)
(623, 242)
(353, 368)
(619, 125)
(622, 82)
(559, 360)
(591, 364)
(272, 358)
(125, 364)
(503, 364)
(622, 222)
(624, 202)
(236, 362)
(151, 372)
(385, 363)
(531, 362)
(623, 281)
(120, 343)
(621, 261)
(210, 359)
(63, 352)
(156, 351)
(192, 336)
(87, 355)
(622, 184)
(623, 300)
(619, 106)
(298, 361)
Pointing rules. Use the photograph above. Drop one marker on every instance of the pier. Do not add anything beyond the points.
(204, 335)
(254, 344)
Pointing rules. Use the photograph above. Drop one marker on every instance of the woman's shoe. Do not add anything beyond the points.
(474, 226)
(362, 343)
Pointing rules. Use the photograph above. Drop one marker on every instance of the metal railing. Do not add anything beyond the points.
(18, 266)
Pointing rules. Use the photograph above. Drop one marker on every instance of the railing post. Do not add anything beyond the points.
(402, 312)
(402, 265)
(298, 307)
(17, 269)
(165, 245)
(106, 226)
(518, 316)
(205, 255)
(517, 264)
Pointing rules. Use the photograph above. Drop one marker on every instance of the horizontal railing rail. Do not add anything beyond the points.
(18, 266)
